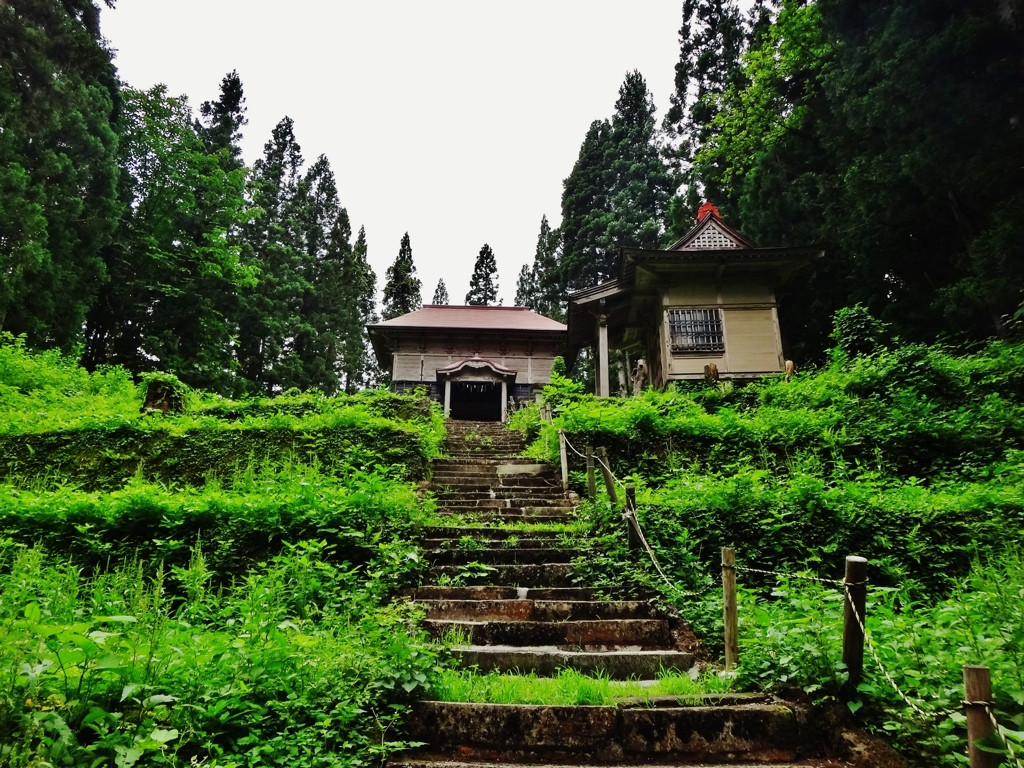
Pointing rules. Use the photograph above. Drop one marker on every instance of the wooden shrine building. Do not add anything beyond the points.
(473, 359)
(707, 304)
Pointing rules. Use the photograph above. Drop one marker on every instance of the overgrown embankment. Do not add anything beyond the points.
(912, 457)
(213, 587)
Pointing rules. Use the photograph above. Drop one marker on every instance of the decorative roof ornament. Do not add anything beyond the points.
(708, 209)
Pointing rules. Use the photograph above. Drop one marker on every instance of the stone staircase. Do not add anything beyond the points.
(529, 616)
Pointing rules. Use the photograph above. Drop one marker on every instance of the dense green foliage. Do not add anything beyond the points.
(912, 457)
(61, 423)
(213, 586)
(483, 290)
(537, 287)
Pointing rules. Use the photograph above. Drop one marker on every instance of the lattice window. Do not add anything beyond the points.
(696, 330)
(712, 237)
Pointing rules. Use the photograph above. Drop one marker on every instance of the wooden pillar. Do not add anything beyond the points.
(977, 698)
(504, 401)
(565, 460)
(632, 534)
(856, 588)
(602, 356)
(609, 481)
(447, 396)
(732, 642)
(591, 482)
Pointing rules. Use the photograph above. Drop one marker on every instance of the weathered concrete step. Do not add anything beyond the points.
(502, 556)
(439, 533)
(448, 761)
(588, 635)
(482, 500)
(603, 735)
(469, 461)
(543, 575)
(486, 482)
(499, 593)
(537, 610)
(459, 542)
(547, 660)
(551, 515)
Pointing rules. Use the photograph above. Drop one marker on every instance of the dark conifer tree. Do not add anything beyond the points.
(526, 287)
(59, 200)
(360, 301)
(402, 289)
(539, 286)
(483, 291)
(271, 246)
(222, 121)
(440, 293)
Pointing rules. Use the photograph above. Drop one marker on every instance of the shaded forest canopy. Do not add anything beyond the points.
(132, 233)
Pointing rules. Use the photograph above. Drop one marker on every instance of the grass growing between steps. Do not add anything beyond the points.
(568, 687)
(574, 528)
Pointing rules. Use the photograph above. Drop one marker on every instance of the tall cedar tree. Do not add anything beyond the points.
(440, 293)
(711, 42)
(59, 201)
(618, 191)
(269, 310)
(483, 291)
(171, 263)
(312, 347)
(402, 289)
(360, 284)
(538, 286)
(858, 129)
(222, 122)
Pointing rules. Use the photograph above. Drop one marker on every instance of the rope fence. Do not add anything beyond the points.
(981, 720)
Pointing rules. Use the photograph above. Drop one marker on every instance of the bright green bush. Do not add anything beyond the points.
(297, 664)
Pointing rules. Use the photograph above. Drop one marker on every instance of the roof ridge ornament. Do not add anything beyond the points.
(708, 209)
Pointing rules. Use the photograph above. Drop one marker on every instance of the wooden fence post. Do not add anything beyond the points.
(632, 535)
(565, 460)
(591, 483)
(732, 642)
(855, 586)
(609, 481)
(977, 698)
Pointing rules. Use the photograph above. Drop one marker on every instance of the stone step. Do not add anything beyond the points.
(586, 634)
(438, 533)
(540, 575)
(517, 733)
(504, 499)
(513, 544)
(547, 660)
(508, 515)
(499, 593)
(537, 610)
(462, 461)
(484, 482)
(503, 556)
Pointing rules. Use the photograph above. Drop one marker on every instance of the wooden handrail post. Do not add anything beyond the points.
(732, 641)
(565, 460)
(591, 482)
(977, 698)
(855, 586)
(632, 535)
(609, 481)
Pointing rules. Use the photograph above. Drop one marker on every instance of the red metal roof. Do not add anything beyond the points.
(454, 316)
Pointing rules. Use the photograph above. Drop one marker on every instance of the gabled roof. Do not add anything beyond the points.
(472, 318)
(711, 233)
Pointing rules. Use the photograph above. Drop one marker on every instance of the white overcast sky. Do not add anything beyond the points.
(454, 120)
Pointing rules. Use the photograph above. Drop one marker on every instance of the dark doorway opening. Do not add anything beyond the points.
(475, 401)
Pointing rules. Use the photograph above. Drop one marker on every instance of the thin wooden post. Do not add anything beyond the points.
(732, 641)
(591, 482)
(565, 460)
(856, 588)
(632, 535)
(977, 698)
(609, 481)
